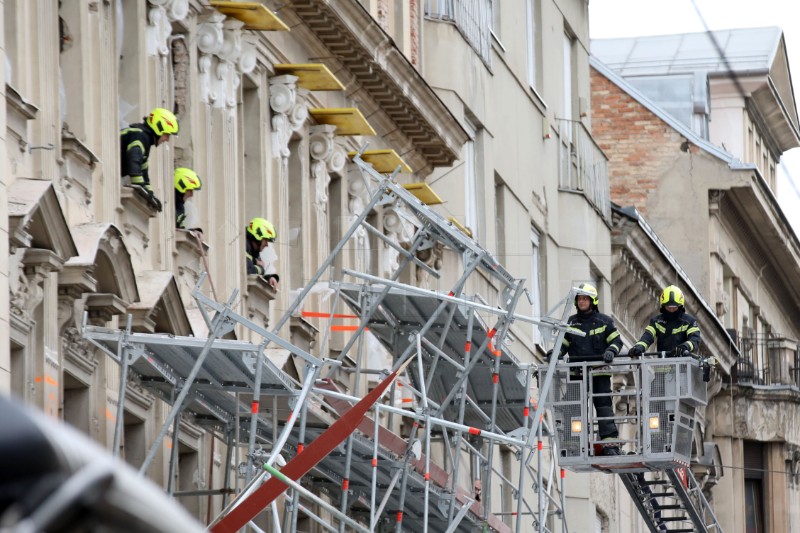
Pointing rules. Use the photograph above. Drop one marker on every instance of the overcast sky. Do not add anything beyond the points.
(630, 18)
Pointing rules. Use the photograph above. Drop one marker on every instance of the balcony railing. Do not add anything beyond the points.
(473, 18)
(583, 167)
(767, 361)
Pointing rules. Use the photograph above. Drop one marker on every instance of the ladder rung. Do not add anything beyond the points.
(674, 518)
(653, 482)
(670, 507)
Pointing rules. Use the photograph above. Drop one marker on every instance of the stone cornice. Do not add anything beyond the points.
(378, 67)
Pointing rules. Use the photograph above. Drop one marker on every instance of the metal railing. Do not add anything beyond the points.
(764, 361)
(473, 18)
(583, 166)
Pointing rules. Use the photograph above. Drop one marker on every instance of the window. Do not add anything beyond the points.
(569, 93)
(534, 60)
(473, 18)
(77, 407)
(500, 219)
(754, 486)
(134, 444)
(471, 182)
(535, 284)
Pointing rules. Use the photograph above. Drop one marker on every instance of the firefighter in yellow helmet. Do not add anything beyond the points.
(600, 343)
(260, 232)
(186, 183)
(135, 143)
(673, 330)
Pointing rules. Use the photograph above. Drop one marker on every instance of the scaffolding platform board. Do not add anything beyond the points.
(401, 315)
(162, 363)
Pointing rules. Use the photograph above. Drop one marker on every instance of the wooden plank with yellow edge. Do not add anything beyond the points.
(256, 16)
(384, 161)
(465, 230)
(424, 192)
(348, 120)
(311, 76)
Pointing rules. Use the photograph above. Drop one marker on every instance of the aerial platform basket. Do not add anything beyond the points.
(656, 417)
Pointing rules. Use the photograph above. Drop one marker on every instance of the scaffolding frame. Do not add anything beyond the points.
(212, 381)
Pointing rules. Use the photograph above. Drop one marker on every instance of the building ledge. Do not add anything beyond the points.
(387, 77)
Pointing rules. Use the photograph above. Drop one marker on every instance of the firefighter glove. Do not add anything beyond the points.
(636, 351)
(683, 350)
(608, 356)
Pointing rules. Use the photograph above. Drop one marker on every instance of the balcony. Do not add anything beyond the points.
(583, 167)
(767, 361)
(472, 18)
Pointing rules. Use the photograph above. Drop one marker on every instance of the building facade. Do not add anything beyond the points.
(487, 105)
(694, 147)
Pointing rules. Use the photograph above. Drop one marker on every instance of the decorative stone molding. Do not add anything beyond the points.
(397, 227)
(77, 165)
(160, 15)
(358, 199)
(259, 295)
(327, 157)
(78, 352)
(225, 53)
(289, 111)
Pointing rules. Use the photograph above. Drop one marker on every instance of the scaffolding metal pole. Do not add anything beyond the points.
(349, 446)
(525, 419)
(220, 326)
(228, 456)
(122, 357)
(461, 514)
(544, 388)
(251, 443)
(388, 494)
(173, 456)
(276, 448)
(451, 299)
(468, 270)
(301, 444)
(372, 516)
(374, 302)
(499, 337)
(461, 411)
(300, 489)
(376, 197)
(505, 439)
(542, 511)
(425, 410)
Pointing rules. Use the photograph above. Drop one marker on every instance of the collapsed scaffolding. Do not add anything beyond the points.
(472, 394)
(473, 398)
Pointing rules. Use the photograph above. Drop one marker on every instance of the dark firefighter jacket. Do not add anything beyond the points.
(180, 211)
(670, 331)
(601, 334)
(135, 144)
(252, 254)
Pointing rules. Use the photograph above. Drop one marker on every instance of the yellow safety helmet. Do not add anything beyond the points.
(261, 228)
(187, 179)
(671, 295)
(162, 121)
(590, 291)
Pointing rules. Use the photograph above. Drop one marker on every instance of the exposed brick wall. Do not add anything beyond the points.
(639, 145)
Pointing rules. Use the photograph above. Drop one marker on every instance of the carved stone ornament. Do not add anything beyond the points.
(78, 350)
(209, 35)
(224, 54)
(326, 156)
(25, 291)
(159, 17)
(289, 112)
